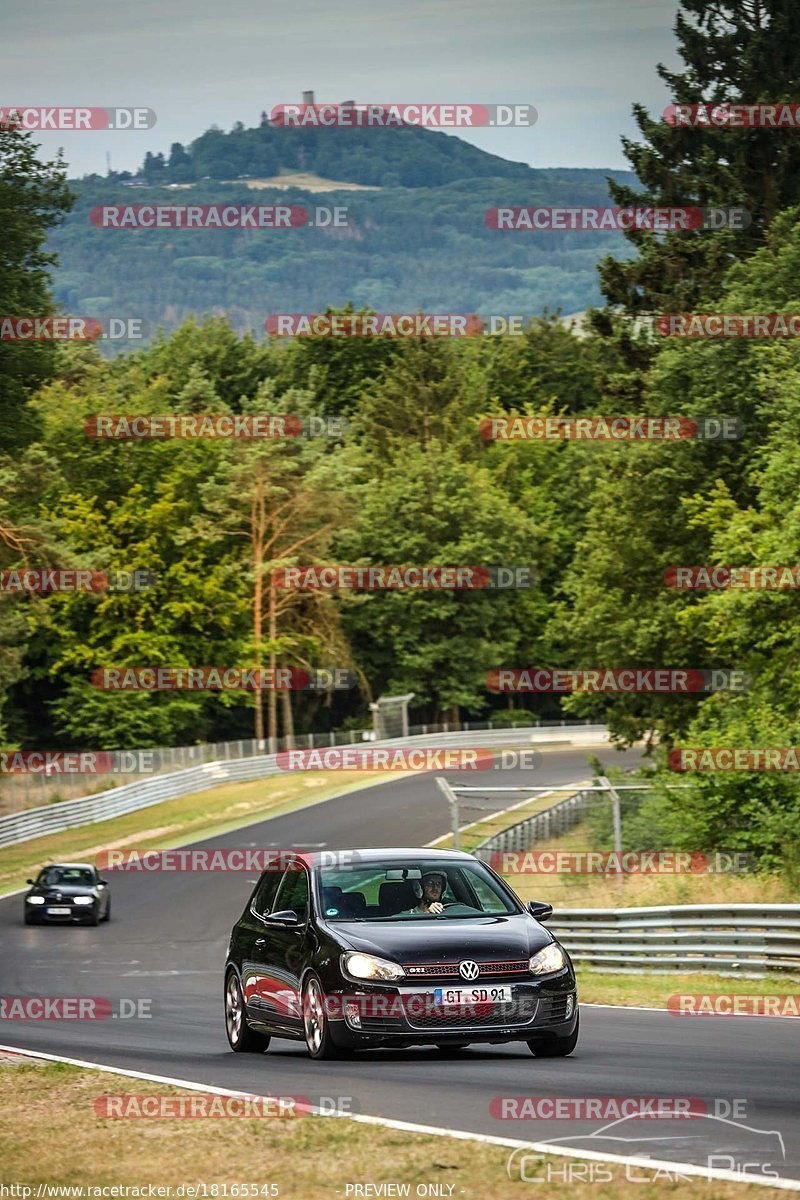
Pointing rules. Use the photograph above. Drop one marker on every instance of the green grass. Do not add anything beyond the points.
(186, 819)
(653, 991)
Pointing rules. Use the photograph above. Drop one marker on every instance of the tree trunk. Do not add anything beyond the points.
(288, 718)
(272, 697)
(257, 542)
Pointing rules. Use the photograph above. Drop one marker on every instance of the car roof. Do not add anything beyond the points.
(409, 854)
(72, 866)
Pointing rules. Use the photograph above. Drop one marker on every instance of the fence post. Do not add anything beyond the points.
(452, 800)
(617, 818)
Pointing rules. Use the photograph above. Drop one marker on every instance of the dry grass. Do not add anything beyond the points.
(50, 1133)
(308, 182)
(188, 818)
(611, 890)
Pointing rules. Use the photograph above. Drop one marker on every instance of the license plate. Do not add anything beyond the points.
(59, 912)
(473, 995)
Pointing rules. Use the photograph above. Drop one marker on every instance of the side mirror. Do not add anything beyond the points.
(286, 916)
(31, 882)
(102, 882)
(540, 911)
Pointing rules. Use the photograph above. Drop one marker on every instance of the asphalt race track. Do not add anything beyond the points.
(166, 943)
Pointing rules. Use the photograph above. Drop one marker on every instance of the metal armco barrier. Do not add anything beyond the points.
(695, 937)
(703, 937)
(69, 814)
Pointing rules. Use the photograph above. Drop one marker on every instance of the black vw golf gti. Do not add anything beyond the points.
(67, 894)
(395, 948)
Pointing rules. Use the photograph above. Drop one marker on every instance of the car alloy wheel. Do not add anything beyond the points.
(314, 1017)
(233, 1009)
(316, 1025)
(242, 1039)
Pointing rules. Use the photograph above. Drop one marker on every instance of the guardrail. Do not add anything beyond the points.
(696, 937)
(70, 814)
(702, 937)
(20, 791)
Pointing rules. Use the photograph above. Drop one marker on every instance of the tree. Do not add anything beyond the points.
(659, 505)
(154, 167)
(735, 51)
(33, 199)
(268, 504)
(425, 494)
(337, 368)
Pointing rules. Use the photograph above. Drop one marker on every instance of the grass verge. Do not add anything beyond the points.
(653, 991)
(51, 1134)
(186, 819)
(614, 890)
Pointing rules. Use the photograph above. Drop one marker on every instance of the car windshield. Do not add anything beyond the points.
(393, 891)
(56, 876)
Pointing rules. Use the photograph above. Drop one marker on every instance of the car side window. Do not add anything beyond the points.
(293, 893)
(266, 891)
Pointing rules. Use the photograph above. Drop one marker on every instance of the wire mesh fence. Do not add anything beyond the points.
(580, 844)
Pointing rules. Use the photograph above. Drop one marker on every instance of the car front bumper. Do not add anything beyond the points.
(369, 1015)
(78, 915)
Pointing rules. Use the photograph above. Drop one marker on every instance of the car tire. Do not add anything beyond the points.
(241, 1038)
(94, 919)
(555, 1047)
(28, 918)
(107, 917)
(316, 1026)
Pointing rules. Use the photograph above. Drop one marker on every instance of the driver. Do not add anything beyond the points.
(433, 888)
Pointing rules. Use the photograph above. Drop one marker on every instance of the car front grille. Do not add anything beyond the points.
(449, 970)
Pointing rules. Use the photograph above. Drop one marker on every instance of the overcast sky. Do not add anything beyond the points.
(581, 63)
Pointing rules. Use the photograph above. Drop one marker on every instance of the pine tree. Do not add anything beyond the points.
(735, 51)
(33, 199)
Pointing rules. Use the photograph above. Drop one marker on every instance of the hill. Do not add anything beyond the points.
(405, 156)
(417, 239)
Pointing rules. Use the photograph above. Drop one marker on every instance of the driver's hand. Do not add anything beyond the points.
(436, 907)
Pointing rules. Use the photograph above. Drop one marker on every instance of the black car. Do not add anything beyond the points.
(67, 894)
(353, 956)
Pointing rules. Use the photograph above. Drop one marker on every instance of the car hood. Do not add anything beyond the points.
(488, 939)
(64, 889)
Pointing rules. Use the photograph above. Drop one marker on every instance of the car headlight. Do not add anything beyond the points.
(548, 960)
(367, 966)
(35, 899)
(84, 900)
